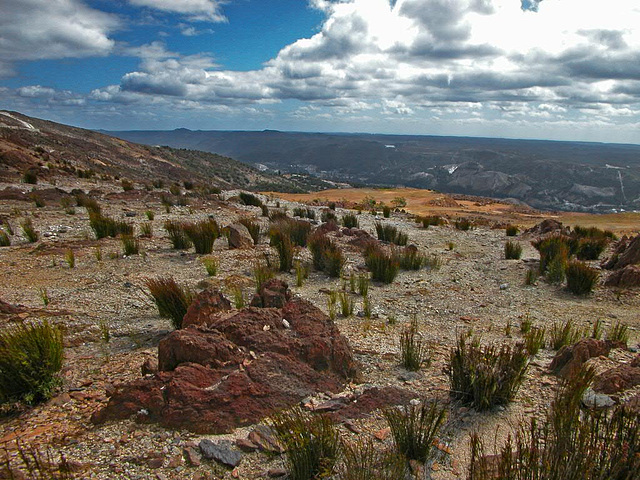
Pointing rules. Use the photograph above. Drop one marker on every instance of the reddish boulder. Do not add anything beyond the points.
(626, 252)
(619, 379)
(625, 277)
(239, 236)
(206, 304)
(273, 293)
(569, 359)
(240, 368)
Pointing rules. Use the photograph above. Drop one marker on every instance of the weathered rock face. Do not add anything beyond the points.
(620, 378)
(239, 236)
(626, 277)
(626, 252)
(273, 293)
(208, 303)
(237, 368)
(569, 359)
(548, 226)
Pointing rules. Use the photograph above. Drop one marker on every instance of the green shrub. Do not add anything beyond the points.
(261, 273)
(4, 239)
(511, 230)
(346, 304)
(593, 232)
(175, 190)
(463, 224)
(365, 461)
(569, 443)
(556, 269)
(581, 278)
(297, 230)
(552, 247)
(596, 331)
(30, 358)
(591, 248)
(383, 266)
(328, 216)
(413, 351)
(249, 199)
(253, 227)
(91, 204)
(203, 235)
(349, 220)
(304, 213)
(415, 428)
(265, 210)
(512, 250)
(312, 443)
(486, 376)
(619, 333)
(534, 340)
(38, 200)
(171, 299)
(177, 235)
(565, 334)
(386, 211)
(150, 215)
(29, 231)
(238, 298)
(211, 265)
(302, 272)
(430, 220)
(130, 245)
(283, 245)
(30, 176)
(389, 233)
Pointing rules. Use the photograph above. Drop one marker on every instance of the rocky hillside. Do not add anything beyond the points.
(50, 149)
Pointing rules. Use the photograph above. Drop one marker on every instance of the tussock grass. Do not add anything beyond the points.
(304, 213)
(284, 246)
(249, 199)
(414, 429)
(363, 284)
(302, 272)
(581, 278)
(70, 258)
(431, 220)
(150, 215)
(565, 334)
(253, 227)
(386, 211)
(511, 231)
(202, 234)
(534, 340)
(327, 256)
(350, 220)
(211, 265)
(312, 443)
(552, 247)
(382, 265)
(619, 332)
(104, 226)
(31, 356)
(146, 230)
(171, 299)
(414, 352)
(409, 258)
(346, 304)
(328, 216)
(531, 277)
(91, 204)
(486, 376)
(591, 248)
(389, 233)
(463, 224)
(130, 245)
(512, 250)
(30, 176)
(261, 273)
(5, 241)
(29, 231)
(363, 460)
(177, 235)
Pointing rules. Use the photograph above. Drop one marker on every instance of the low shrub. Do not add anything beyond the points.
(177, 235)
(487, 376)
(591, 248)
(211, 265)
(431, 220)
(104, 226)
(511, 230)
(171, 299)
(531, 276)
(326, 255)
(415, 428)
(29, 231)
(91, 204)
(550, 248)
(311, 442)
(581, 278)
(413, 351)
(281, 240)
(202, 234)
(150, 215)
(130, 245)
(350, 220)
(249, 199)
(31, 356)
(38, 200)
(5, 241)
(127, 185)
(382, 265)
(304, 213)
(30, 176)
(386, 211)
(512, 250)
(328, 216)
(253, 227)
(410, 259)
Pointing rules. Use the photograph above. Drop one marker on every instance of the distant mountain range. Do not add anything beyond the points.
(55, 149)
(544, 174)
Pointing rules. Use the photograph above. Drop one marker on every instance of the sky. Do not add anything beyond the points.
(547, 69)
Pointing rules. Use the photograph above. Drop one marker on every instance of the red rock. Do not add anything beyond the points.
(625, 277)
(273, 293)
(569, 359)
(149, 367)
(383, 434)
(239, 236)
(626, 252)
(619, 379)
(206, 305)
(246, 445)
(265, 439)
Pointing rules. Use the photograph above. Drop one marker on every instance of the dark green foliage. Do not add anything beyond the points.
(349, 220)
(327, 256)
(556, 270)
(463, 224)
(104, 226)
(30, 176)
(188, 185)
(565, 334)
(534, 340)
(486, 376)
(284, 246)
(570, 443)
(552, 247)
(175, 189)
(277, 214)
(511, 230)
(304, 213)
(177, 235)
(592, 232)
(30, 359)
(312, 443)
(389, 233)
(363, 284)
(328, 216)
(413, 351)
(591, 248)
(265, 210)
(332, 205)
(249, 199)
(253, 227)
(596, 331)
(150, 215)
(414, 429)
(581, 278)
(410, 259)
(29, 231)
(386, 211)
(382, 265)
(171, 299)
(297, 230)
(130, 245)
(203, 235)
(619, 333)
(158, 183)
(512, 250)
(363, 460)
(4, 239)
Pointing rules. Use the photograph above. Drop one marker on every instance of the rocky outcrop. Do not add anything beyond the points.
(626, 277)
(546, 227)
(570, 359)
(237, 368)
(273, 294)
(205, 306)
(239, 236)
(619, 379)
(626, 252)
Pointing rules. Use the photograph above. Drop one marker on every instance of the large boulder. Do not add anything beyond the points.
(206, 305)
(625, 277)
(626, 252)
(239, 236)
(273, 293)
(237, 369)
(619, 379)
(570, 359)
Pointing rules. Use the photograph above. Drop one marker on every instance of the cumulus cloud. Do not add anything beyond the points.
(43, 29)
(197, 10)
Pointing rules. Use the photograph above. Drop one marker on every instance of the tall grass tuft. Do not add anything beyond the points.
(383, 266)
(619, 333)
(253, 227)
(283, 245)
(171, 299)
(346, 304)
(104, 226)
(565, 334)
(29, 231)
(414, 429)
(130, 245)
(431, 220)
(552, 247)
(4, 239)
(511, 230)
(534, 340)
(409, 258)
(463, 224)
(146, 230)
(31, 356)
(312, 443)
(362, 460)
(487, 376)
(261, 273)
(177, 235)
(512, 250)
(327, 256)
(211, 265)
(249, 199)
(363, 284)
(414, 351)
(349, 220)
(581, 278)
(70, 258)
(389, 233)
(203, 235)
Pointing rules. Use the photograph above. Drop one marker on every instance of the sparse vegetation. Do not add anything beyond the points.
(389, 233)
(363, 284)
(327, 256)
(511, 230)
(146, 229)
(38, 200)
(31, 356)
(150, 215)
(171, 299)
(104, 226)
(463, 224)
(211, 265)
(5, 241)
(382, 265)
(531, 277)
(386, 211)
(30, 176)
(565, 334)
(346, 304)
(130, 245)
(261, 273)
(581, 278)
(350, 220)
(414, 352)
(238, 298)
(29, 231)
(44, 296)
(202, 234)
(410, 259)
(619, 332)
(534, 340)
(177, 235)
(486, 376)
(512, 250)
(363, 460)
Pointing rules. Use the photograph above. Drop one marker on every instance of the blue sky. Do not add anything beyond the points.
(556, 69)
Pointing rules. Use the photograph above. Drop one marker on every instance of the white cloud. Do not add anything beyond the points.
(43, 29)
(197, 10)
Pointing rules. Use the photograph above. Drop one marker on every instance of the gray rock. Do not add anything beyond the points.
(591, 399)
(221, 452)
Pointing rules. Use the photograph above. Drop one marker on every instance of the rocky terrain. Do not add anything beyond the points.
(139, 400)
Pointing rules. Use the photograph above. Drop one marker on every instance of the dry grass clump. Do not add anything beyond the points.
(261, 273)
(512, 250)
(5, 241)
(281, 240)
(431, 220)
(130, 245)
(253, 226)
(534, 340)
(104, 226)
(177, 235)
(409, 258)
(327, 256)
(511, 231)
(565, 334)
(31, 356)
(414, 352)
(304, 213)
(389, 233)
(350, 220)
(486, 376)
(581, 278)
(619, 332)
(363, 460)
(29, 231)
(463, 224)
(171, 299)
(211, 265)
(202, 234)
(383, 266)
